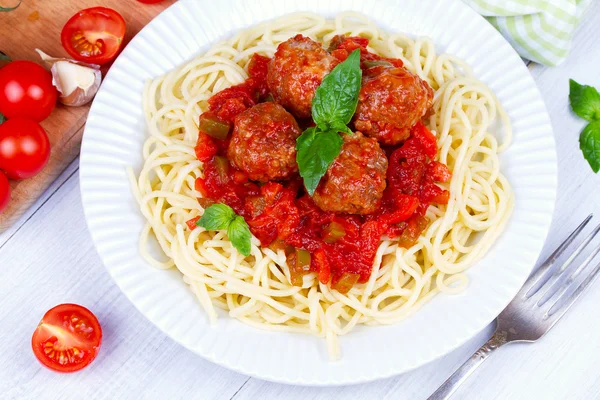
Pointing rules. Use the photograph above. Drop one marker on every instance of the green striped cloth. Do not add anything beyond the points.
(540, 30)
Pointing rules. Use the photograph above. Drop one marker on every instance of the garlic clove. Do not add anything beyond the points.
(77, 82)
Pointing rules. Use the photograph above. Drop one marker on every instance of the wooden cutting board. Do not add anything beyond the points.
(37, 24)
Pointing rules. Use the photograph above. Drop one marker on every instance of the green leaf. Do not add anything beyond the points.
(315, 152)
(585, 101)
(589, 143)
(240, 236)
(323, 127)
(217, 217)
(333, 106)
(7, 9)
(221, 216)
(4, 56)
(337, 96)
(340, 127)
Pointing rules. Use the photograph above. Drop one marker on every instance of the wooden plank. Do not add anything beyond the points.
(39, 23)
(39, 204)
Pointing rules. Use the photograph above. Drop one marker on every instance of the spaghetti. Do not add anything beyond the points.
(257, 289)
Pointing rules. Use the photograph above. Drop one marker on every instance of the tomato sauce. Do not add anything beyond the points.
(342, 46)
(281, 215)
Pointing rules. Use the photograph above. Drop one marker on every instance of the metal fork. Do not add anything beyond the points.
(542, 301)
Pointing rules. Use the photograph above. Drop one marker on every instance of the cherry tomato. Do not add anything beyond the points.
(24, 148)
(94, 35)
(67, 338)
(149, 1)
(4, 192)
(26, 91)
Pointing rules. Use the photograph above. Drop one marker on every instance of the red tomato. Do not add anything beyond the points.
(4, 192)
(24, 148)
(426, 138)
(67, 338)
(26, 91)
(192, 223)
(258, 69)
(205, 147)
(94, 35)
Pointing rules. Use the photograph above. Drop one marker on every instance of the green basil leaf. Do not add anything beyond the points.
(4, 56)
(585, 101)
(315, 152)
(589, 143)
(240, 236)
(7, 9)
(322, 127)
(337, 96)
(217, 217)
(340, 127)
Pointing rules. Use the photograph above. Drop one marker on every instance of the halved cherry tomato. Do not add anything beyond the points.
(94, 35)
(24, 148)
(67, 339)
(4, 192)
(26, 91)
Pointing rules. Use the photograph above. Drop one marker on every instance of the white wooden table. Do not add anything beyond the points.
(48, 258)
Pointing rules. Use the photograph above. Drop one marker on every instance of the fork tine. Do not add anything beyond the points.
(560, 273)
(540, 277)
(559, 309)
(565, 280)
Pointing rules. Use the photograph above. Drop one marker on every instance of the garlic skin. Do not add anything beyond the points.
(76, 82)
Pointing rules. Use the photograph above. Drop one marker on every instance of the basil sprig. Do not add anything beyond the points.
(333, 106)
(221, 217)
(585, 102)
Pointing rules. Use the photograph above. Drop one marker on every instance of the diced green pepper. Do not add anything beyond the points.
(412, 231)
(256, 205)
(213, 126)
(376, 63)
(222, 167)
(333, 232)
(303, 259)
(345, 283)
(299, 265)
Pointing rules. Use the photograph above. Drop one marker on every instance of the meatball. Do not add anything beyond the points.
(296, 71)
(391, 101)
(263, 143)
(355, 181)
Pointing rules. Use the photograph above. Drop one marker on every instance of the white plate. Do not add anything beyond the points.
(113, 140)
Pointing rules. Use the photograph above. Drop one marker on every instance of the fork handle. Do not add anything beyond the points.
(460, 375)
